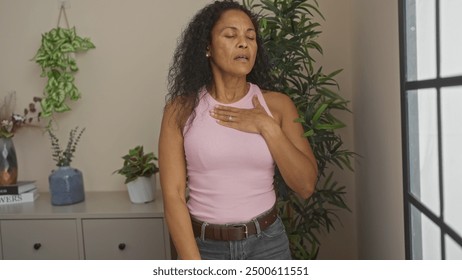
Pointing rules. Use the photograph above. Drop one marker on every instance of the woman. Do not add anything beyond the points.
(221, 137)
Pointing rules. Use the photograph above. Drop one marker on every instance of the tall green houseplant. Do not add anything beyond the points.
(289, 30)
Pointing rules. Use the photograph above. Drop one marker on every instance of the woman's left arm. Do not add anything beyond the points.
(290, 149)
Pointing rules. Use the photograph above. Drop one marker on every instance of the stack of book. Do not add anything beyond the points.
(21, 192)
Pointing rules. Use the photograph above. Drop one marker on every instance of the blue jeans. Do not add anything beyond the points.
(270, 244)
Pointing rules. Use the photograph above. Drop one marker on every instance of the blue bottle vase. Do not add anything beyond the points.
(66, 186)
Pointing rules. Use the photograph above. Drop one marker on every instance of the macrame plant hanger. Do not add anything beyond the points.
(62, 12)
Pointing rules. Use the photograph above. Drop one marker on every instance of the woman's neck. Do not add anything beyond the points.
(229, 91)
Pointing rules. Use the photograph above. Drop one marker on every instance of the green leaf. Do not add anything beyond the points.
(67, 47)
(319, 112)
(308, 133)
(61, 33)
(87, 44)
(62, 108)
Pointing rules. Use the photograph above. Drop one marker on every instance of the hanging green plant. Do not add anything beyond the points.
(56, 57)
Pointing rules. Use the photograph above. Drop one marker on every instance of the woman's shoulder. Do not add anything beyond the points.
(277, 99)
(280, 105)
(176, 111)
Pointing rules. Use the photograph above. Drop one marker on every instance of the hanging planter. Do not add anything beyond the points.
(56, 57)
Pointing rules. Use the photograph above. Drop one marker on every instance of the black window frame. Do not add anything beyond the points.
(406, 15)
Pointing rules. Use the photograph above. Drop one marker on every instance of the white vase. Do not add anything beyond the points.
(142, 189)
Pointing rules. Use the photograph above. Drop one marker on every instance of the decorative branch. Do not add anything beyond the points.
(64, 157)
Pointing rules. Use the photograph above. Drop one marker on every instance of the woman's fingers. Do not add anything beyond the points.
(224, 114)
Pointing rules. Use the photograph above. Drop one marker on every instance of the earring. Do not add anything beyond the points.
(207, 55)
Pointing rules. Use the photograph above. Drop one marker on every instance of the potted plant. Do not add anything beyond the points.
(66, 183)
(139, 168)
(289, 31)
(56, 57)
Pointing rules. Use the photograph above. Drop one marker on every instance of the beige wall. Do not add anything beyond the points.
(377, 129)
(123, 82)
(336, 42)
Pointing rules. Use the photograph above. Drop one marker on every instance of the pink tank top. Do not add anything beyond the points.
(230, 172)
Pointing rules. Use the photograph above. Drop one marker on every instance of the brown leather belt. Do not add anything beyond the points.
(234, 232)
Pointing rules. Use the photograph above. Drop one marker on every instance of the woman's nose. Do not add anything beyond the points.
(242, 43)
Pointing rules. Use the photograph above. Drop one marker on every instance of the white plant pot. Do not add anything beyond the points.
(142, 189)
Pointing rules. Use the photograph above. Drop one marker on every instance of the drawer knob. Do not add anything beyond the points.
(122, 246)
(37, 246)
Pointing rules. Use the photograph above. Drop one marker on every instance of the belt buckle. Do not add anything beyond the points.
(246, 230)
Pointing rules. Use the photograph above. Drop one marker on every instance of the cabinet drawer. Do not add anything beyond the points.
(39, 239)
(125, 239)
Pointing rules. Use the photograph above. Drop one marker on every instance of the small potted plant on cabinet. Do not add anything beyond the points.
(66, 183)
(138, 169)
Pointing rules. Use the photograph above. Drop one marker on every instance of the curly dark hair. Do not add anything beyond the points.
(190, 70)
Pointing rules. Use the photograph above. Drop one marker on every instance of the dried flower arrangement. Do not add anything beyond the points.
(10, 121)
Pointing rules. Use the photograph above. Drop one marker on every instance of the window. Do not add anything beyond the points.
(431, 102)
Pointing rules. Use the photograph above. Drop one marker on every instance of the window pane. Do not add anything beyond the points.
(425, 237)
(423, 147)
(453, 250)
(421, 40)
(451, 100)
(451, 38)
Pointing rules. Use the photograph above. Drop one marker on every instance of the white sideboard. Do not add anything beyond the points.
(104, 226)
